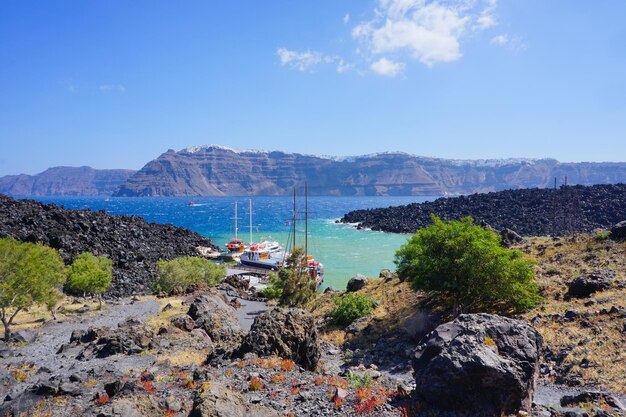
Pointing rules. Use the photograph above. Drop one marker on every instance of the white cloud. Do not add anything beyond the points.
(387, 67)
(299, 60)
(346, 19)
(500, 40)
(112, 88)
(342, 66)
(307, 60)
(487, 18)
(427, 31)
(513, 43)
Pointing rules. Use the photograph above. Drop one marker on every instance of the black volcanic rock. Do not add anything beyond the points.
(77, 181)
(214, 170)
(133, 244)
(528, 212)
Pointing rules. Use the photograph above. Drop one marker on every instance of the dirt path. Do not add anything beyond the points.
(42, 352)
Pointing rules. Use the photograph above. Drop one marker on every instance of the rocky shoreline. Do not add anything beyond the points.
(133, 244)
(529, 212)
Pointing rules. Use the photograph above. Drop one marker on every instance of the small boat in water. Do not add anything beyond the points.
(260, 258)
(265, 255)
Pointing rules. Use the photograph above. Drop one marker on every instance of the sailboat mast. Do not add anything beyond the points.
(235, 220)
(306, 221)
(294, 218)
(250, 221)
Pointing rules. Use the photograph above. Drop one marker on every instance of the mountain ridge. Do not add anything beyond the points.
(215, 170)
(63, 180)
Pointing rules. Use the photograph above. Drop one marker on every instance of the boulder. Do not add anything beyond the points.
(618, 232)
(212, 313)
(131, 337)
(586, 285)
(356, 283)
(24, 336)
(594, 398)
(509, 237)
(287, 333)
(479, 363)
(183, 322)
(218, 401)
(5, 352)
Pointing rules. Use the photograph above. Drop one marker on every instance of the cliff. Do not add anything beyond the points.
(76, 181)
(213, 170)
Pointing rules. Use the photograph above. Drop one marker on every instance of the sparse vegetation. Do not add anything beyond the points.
(359, 381)
(30, 274)
(466, 263)
(180, 274)
(351, 307)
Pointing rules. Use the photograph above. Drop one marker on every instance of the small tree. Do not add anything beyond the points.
(90, 274)
(298, 287)
(181, 273)
(467, 263)
(29, 274)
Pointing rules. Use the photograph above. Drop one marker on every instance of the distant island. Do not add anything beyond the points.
(71, 181)
(213, 170)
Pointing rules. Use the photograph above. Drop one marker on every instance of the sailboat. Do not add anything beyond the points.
(264, 255)
(235, 246)
(314, 268)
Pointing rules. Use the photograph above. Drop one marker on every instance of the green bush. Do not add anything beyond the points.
(467, 264)
(602, 235)
(274, 289)
(359, 380)
(29, 274)
(90, 274)
(351, 307)
(181, 273)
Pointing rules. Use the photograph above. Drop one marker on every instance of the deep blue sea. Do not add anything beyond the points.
(342, 249)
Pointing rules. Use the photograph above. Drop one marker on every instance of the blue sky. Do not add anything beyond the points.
(112, 84)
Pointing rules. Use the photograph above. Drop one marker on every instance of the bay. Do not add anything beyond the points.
(344, 250)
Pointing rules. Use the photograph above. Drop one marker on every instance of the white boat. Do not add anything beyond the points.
(265, 255)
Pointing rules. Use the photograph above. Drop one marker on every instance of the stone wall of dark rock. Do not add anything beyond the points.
(133, 244)
(529, 212)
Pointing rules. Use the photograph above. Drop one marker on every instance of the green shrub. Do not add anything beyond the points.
(181, 273)
(89, 274)
(602, 235)
(351, 307)
(359, 380)
(467, 264)
(274, 289)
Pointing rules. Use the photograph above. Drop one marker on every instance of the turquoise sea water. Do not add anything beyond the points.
(342, 249)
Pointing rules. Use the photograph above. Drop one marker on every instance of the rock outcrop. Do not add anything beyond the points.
(217, 318)
(356, 283)
(287, 333)
(218, 401)
(76, 181)
(618, 232)
(133, 244)
(586, 285)
(216, 170)
(481, 364)
(529, 212)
